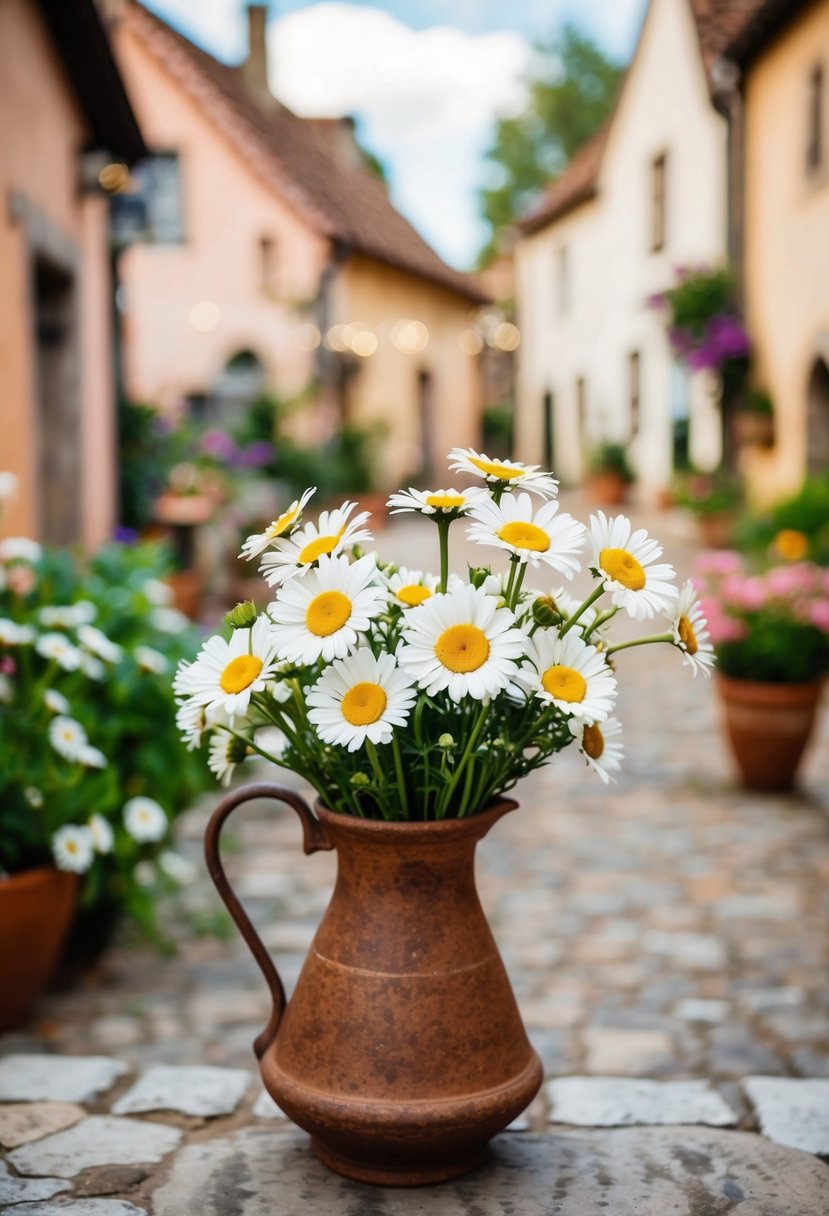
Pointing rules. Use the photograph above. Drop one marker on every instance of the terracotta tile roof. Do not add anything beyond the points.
(718, 23)
(339, 197)
(767, 20)
(575, 185)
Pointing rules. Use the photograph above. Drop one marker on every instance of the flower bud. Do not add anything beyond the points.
(546, 611)
(242, 616)
(360, 780)
(446, 741)
(478, 575)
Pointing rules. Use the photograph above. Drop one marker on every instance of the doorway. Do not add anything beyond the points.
(58, 399)
(817, 424)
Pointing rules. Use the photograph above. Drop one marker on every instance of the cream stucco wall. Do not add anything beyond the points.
(664, 108)
(786, 241)
(41, 133)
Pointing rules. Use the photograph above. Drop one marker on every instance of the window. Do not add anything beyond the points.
(267, 265)
(814, 146)
(634, 390)
(659, 166)
(159, 187)
(563, 280)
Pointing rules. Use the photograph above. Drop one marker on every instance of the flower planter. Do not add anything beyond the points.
(716, 530)
(606, 489)
(36, 910)
(401, 1051)
(768, 727)
(754, 430)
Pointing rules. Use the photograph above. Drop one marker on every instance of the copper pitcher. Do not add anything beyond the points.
(401, 1051)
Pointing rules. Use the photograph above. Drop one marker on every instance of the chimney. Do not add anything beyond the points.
(255, 66)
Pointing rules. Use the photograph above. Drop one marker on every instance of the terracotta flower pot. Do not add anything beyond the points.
(402, 1050)
(606, 488)
(36, 910)
(768, 727)
(716, 530)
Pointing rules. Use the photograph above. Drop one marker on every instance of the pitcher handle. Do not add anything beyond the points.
(314, 838)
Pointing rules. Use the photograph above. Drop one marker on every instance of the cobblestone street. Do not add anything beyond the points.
(671, 929)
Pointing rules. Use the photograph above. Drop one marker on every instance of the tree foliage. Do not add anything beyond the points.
(570, 93)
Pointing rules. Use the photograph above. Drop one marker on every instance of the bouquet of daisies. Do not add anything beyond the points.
(400, 694)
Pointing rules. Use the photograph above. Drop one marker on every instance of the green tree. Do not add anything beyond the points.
(571, 91)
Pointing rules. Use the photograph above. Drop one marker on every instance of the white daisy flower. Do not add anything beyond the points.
(20, 549)
(461, 642)
(192, 721)
(537, 537)
(12, 634)
(281, 691)
(323, 614)
(441, 503)
(84, 612)
(180, 869)
(93, 667)
(283, 525)
(58, 648)
(57, 616)
(599, 745)
(99, 644)
(503, 472)
(408, 588)
(144, 819)
(34, 797)
(55, 701)
(226, 674)
(103, 836)
(158, 592)
(224, 753)
(73, 849)
(332, 533)
(625, 563)
(690, 630)
(150, 659)
(67, 737)
(272, 740)
(169, 620)
(570, 674)
(360, 697)
(92, 757)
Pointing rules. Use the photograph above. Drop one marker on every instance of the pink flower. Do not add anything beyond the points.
(746, 594)
(723, 628)
(718, 562)
(795, 579)
(819, 614)
(8, 666)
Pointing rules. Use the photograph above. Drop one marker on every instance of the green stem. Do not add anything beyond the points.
(443, 537)
(513, 566)
(601, 619)
(378, 773)
(646, 641)
(472, 743)
(516, 591)
(591, 599)
(401, 780)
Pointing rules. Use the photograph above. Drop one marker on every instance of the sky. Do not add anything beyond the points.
(425, 79)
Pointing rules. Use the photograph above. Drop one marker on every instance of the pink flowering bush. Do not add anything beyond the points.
(771, 626)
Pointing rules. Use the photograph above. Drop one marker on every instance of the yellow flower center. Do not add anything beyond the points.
(686, 635)
(316, 548)
(623, 568)
(491, 468)
(565, 683)
(522, 535)
(327, 613)
(592, 742)
(413, 594)
(285, 520)
(71, 846)
(364, 704)
(240, 673)
(444, 501)
(462, 648)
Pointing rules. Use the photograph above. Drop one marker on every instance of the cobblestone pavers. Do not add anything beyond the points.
(671, 929)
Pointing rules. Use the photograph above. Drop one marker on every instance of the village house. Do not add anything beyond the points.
(273, 259)
(646, 195)
(67, 131)
(779, 111)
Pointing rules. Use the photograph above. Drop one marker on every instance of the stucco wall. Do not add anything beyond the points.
(40, 135)
(664, 107)
(787, 241)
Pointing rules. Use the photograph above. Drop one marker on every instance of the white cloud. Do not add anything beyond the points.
(426, 100)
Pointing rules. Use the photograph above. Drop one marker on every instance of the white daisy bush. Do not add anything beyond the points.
(403, 694)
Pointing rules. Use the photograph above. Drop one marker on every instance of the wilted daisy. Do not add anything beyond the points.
(408, 588)
(12, 634)
(360, 697)
(67, 737)
(103, 836)
(73, 849)
(92, 757)
(58, 648)
(20, 549)
(144, 819)
(225, 752)
(690, 630)
(99, 644)
(624, 560)
(503, 472)
(332, 533)
(570, 674)
(323, 614)
(461, 642)
(440, 503)
(283, 525)
(599, 745)
(536, 537)
(150, 659)
(226, 674)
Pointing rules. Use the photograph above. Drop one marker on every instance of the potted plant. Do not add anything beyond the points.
(609, 475)
(714, 499)
(413, 703)
(771, 634)
(89, 776)
(753, 420)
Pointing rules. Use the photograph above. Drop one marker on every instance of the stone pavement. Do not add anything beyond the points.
(667, 940)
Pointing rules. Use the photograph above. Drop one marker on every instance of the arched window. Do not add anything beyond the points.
(817, 425)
